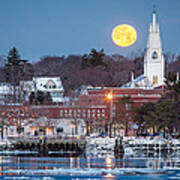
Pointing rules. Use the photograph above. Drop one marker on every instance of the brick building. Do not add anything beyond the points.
(115, 108)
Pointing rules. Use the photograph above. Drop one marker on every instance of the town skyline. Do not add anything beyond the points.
(89, 89)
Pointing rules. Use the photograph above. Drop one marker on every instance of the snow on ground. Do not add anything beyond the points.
(133, 147)
(100, 147)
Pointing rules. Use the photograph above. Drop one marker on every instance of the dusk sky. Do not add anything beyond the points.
(39, 28)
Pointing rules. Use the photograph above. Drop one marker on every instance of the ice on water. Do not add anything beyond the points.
(100, 147)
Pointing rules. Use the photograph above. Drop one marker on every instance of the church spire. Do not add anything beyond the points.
(154, 26)
(154, 59)
(154, 9)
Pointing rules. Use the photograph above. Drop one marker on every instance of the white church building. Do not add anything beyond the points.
(154, 65)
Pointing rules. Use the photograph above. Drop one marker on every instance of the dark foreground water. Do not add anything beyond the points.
(52, 168)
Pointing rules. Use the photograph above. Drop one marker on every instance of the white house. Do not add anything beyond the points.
(53, 85)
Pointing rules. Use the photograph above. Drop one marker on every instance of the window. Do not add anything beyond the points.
(61, 113)
(155, 80)
(154, 55)
(70, 113)
(84, 114)
(51, 84)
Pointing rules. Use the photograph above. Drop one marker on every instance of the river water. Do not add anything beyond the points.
(52, 168)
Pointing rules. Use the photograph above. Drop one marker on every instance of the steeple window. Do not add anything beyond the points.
(154, 55)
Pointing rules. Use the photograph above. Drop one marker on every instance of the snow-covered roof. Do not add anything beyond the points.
(45, 84)
(84, 89)
(139, 78)
(6, 88)
(139, 82)
(136, 80)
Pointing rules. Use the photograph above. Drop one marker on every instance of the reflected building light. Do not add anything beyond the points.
(109, 176)
(109, 162)
(88, 162)
(1, 166)
(78, 162)
(71, 162)
(19, 167)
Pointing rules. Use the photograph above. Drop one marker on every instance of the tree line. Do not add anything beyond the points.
(95, 68)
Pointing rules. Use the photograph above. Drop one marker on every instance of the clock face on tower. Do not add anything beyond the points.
(154, 55)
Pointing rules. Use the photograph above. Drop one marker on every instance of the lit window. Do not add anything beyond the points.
(155, 80)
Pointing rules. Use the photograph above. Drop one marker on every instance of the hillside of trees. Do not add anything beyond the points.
(95, 68)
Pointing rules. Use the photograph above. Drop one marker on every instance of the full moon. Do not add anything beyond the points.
(124, 35)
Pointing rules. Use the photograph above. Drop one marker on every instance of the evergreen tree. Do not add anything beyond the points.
(172, 94)
(172, 87)
(16, 70)
(166, 115)
(93, 59)
(146, 117)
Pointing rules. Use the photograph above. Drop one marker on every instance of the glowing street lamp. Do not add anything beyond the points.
(109, 97)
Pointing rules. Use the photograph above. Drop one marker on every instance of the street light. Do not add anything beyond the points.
(109, 97)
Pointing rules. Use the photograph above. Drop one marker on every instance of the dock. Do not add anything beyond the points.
(65, 146)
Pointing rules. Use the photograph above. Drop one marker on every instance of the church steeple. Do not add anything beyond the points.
(154, 60)
(154, 16)
(154, 27)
